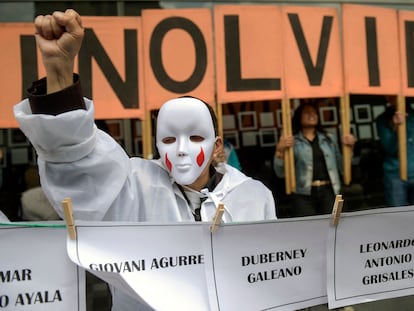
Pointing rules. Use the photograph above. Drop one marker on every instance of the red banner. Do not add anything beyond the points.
(258, 52)
(371, 50)
(312, 52)
(248, 41)
(178, 55)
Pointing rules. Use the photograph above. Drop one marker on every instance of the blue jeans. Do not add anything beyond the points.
(398, 192)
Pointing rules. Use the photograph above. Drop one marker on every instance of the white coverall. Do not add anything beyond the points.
(79, 161)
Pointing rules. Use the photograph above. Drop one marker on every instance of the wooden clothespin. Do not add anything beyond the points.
(337, 209)
(70, 224)
(217, 218)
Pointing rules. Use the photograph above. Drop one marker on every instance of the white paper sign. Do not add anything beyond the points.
(371, 256)
(36, 272)
(269, 265)
(146, 261)
(278, 265)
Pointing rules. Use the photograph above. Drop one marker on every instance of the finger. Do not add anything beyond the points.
(43, 27)
(78, 19)
(71, 20)
(57, 30)
(46, 26)
(38, 24)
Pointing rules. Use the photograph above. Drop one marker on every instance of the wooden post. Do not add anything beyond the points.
(291, 150)
(346, 150)
(146, 127)
(402, 139)
(219, 114)
(290, 183)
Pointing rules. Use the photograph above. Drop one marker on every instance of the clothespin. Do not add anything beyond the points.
(337, 209)
(70, 224)
(217, 218)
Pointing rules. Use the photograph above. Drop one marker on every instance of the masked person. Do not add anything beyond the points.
(79, 161)
(397, 192)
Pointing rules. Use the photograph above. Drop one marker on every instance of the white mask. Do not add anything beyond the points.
(185, 138)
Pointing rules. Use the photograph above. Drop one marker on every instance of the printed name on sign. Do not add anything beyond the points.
(177, 261)
(119, 267)
(38, 298)
(273, 257)
(15, 275)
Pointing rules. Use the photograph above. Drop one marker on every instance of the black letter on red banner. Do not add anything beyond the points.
(372, 51)
(409, 51)
(235, 82)
(127, 91)
(28, 58)
(157, 66)
(314, 72)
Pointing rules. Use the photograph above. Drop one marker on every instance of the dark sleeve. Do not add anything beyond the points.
(65, 100)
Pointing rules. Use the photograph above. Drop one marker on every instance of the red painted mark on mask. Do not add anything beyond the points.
(200, 157)
(168, 163)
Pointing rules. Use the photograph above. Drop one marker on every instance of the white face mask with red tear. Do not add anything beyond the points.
(185, 138)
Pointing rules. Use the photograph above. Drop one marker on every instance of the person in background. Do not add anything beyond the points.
(318, 162)
(79, 161)
(397, 191)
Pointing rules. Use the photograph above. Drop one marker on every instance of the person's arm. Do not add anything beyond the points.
(67, 99)
(75, 159)
(337, 153)
(59, 37)
(283, 144)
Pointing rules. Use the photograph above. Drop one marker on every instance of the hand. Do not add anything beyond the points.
(348, 140)
(285, 142)
(219, 157)
(59, 37)
(398, 118)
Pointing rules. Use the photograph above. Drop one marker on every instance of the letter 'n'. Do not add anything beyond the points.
(127, 91)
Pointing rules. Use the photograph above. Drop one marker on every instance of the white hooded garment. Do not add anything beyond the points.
(78, 161)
